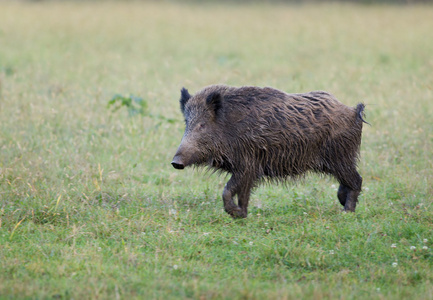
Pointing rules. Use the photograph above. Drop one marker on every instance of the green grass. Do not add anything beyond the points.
(90, 206)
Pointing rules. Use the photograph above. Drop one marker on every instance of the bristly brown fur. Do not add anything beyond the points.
(259, 134)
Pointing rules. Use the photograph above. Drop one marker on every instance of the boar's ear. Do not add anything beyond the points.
(184, 97)
(215, 101)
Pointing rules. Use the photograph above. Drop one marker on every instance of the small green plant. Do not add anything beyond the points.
(135, 105)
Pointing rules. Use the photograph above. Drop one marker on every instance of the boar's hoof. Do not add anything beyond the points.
(352, 199)
(236, 212)
(349, 208)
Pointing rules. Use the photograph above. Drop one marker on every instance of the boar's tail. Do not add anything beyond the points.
(360, 112)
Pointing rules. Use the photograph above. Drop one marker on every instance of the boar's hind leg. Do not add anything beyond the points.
(349, 190)
(232, 188)
(342, 193)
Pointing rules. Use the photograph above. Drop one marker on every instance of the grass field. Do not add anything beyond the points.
(90, 207)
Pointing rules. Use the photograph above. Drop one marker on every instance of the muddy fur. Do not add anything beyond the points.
(258, 134)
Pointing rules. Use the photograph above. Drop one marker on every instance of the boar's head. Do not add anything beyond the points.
(203, 129)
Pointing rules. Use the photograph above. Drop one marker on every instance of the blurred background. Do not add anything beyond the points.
(90, 120)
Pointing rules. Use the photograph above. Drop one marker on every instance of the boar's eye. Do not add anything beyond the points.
(201, 125)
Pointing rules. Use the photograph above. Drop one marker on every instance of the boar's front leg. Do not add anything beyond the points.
(240, 188)
(230, 190)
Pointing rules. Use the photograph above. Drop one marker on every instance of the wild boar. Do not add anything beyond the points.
(258, 134)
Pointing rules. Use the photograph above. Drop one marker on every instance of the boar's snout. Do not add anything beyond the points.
(177, 163)
(186, 155)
